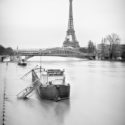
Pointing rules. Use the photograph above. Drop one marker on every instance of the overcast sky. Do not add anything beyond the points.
(43, 23)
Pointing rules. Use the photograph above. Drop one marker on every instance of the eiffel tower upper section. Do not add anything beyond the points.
(70, 40)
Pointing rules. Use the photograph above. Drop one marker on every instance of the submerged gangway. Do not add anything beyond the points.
(28, 90)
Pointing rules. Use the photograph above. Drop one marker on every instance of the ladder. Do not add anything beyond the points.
(27, 91)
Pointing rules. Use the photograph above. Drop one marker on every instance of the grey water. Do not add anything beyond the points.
(97, 94)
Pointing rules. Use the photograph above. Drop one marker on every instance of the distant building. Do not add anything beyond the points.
(122, 47)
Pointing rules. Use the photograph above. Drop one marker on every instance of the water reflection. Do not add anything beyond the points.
(50, 112)
(56, 110)
(28, 102)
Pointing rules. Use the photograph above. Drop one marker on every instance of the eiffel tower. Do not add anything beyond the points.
(70, 40)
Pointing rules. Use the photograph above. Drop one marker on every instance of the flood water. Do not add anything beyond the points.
(97, 94)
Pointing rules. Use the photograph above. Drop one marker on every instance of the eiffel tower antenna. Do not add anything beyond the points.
(70, 40)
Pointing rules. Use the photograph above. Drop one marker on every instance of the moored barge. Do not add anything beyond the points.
(51, 84)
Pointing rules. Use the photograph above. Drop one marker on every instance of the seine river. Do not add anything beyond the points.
(97, 94)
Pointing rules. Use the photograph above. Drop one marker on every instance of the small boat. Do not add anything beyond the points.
(22, 62)
(51, 84)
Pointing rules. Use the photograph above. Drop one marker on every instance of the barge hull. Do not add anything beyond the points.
(54, 92)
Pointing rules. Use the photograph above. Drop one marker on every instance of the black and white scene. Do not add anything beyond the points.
(62, 62)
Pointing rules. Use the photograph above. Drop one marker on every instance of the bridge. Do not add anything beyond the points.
(58, 51)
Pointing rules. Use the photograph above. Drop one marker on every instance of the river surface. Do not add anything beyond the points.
(97, 94)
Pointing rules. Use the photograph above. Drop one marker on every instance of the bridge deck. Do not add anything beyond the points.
(62, 52)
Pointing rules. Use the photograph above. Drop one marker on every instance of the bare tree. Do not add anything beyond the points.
(103, 48)
(114, 45)
(91, 47)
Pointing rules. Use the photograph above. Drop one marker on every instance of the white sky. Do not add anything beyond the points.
(43, 23)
